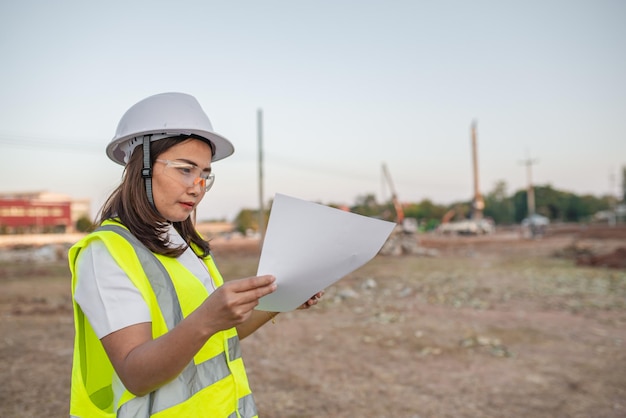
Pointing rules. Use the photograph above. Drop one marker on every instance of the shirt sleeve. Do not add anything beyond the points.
(105, 293)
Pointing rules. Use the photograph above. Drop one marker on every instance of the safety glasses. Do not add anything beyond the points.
(188, 174)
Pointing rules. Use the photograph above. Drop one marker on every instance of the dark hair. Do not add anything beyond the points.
(129, 203)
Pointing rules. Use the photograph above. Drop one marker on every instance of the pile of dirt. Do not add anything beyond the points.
(615, 259)
(608, 252)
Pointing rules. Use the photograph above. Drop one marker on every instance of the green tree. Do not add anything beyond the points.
(248, 219)
(84, 224)
(559, 205)
(427, 213)
(366, 205)
(498, 205)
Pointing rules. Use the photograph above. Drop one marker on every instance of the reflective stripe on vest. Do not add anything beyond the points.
(159, 278)
(195, 377)
(192, 379)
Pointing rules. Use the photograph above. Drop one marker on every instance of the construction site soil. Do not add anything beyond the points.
(490, 326)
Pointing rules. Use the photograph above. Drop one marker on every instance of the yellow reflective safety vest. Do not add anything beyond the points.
(213, 385)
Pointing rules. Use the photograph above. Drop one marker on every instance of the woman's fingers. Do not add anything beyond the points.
(252, 288)
(312, 300)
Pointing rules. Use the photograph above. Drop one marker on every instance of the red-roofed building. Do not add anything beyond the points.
(39, 212)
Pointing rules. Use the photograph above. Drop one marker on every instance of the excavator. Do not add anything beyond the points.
(403, 239)
(394, 196)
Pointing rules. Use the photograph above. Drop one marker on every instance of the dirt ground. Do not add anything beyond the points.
(498, 326)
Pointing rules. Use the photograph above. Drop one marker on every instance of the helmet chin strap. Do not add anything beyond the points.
(146, 172)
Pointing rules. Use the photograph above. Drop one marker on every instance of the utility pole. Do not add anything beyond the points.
(613, 199)
(478, 204)
(623, 192)
(530, 191)
(261, 197)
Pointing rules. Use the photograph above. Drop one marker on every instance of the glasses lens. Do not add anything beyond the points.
(188, 174)
(208, 182)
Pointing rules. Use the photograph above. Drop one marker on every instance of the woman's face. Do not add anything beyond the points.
(175, 194)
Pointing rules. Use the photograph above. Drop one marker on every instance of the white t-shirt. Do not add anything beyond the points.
(106, 294)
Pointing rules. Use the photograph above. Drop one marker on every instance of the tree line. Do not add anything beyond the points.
(502, 208)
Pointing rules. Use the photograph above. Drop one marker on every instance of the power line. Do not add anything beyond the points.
(22, 141)
(51, 144)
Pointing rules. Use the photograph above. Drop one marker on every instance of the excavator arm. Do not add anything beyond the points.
(394, 196)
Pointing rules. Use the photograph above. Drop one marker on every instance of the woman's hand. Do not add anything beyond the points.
(312, 301)
(232, 303)
(258, 318)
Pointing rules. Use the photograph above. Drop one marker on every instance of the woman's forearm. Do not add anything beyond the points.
(144, 364)
(256, 320)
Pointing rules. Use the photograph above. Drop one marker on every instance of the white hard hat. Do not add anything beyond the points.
(162, 116)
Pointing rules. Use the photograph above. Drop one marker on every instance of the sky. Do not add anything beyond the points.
(343, 86)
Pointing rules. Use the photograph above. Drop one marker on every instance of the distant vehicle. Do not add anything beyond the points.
(536, 224)
(468, 227)
(536, 220)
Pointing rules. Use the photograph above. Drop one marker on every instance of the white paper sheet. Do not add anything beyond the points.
(309, 246)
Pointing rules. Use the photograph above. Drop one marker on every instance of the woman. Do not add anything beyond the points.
(157, 329)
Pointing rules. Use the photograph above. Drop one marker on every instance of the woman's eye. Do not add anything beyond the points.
(186, 170)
